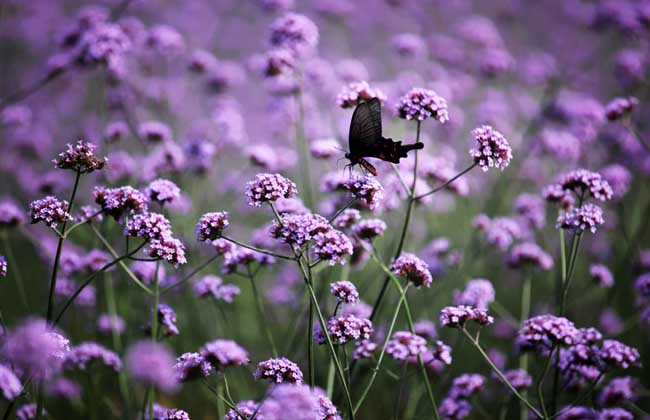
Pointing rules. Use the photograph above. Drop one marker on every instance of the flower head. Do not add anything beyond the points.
(169, 249)
(369, 228)
(364, 349)
(280, 370)
(581, 181)
(298, 229)
(295, 32)
(3, 266)
(404, 344)
(121, 200)
(80, 357)
(191, 366)
(620, 107)
(80, 158)
(458, 316)
(618, 355)
(49, 210)
(478, 293)
(542, 332)
(107, 324)
(152, 364)
(269, 188)
(467, 385)
(366, 189)
(332, 246)
(413, 269)
(162, 191)
(344, 291)
(10, 386)
(345, 328)
(149, 226)
(580, 219)
(246, 408)
(601, 275)
(222, 353)
(10, 214)
(357, 92)
(420, 104)
(155, 132)
(529, 254)
(493, 149)
(211, 225)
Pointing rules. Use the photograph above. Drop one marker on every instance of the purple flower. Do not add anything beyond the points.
(103, 43)
(211, 225)
(357, 92)
(369, 228)
(152, 364)
(281, 370)
(425, 328)
(145, 271)
(620, 107)
(619, 390)
(290, 401)
(467, 385)
(80, 158)
(546, 331)
(529, 254)
(247, 408)
(601, 275)
(222, 353)
(155, 132)
(642, 285)
(580, 219)
(366, 189)
(519, 379)
(33, 349)
(420, 104)
(438, 355)
(452, 408)
(299, 229)
(150, 226)
(409, 45)
(618, 355)
(10, 214)
(619, 178)
(581, 181)
(168, 249)
(118, 201)
(162, 191)
(80, 357)
(457, 316)
(500, 231)
(404, 345)
(191, 366)
(212, 286)
(49, 210)
(478, 293)
(269, 188)
(28, 412)
(554, 193)
(531, 208)
(332, 246)
(345, 328)
(277, 61)
(413, 269)
(64, 388)
(115, 131)
(3, 266)
(576, 413)
(615, 413)
(364, 349)
(65, 288)
(107, 324)
(324, 148)
(493, 149)
(167, 320)
(295, 32)
(10, 386)
(89, 214)
(344, 291)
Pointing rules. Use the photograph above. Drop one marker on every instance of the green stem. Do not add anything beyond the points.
(260, 250)
(501, 376)
(189, 275)
(575, 245)
(310, 343)
(154, 330)
(525, 314)
(441, 187)
(220, 407)
(540, 382)
(342, 209)
(303, 152)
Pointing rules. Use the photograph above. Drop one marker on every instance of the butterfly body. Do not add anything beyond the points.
(366, 140)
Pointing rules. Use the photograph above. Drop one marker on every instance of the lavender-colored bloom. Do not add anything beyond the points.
(366, 189)
(437, 356)
(176, 414)
(615, 413)
(152, 364)
(500, 231)
(146, 271)
(425, 328)
(80, 158)
(211, 225)
(290, 401)
(618, 355)
(168, 249)
(519, 379)
(493, 149)
(149, 226)
(344, 291)
(554, 193)
(413, 269)
(64, 388)
(222, 353)
(478, 293)
(65, 288)
(580, 219)
(531, 208)
(324, 148)
(242, 257)
(357, 92)
(155, 132)
(277, 61)
(601, 275)
(404, 344)
(80, 357)
(345, 328)
(115, 131)
(620, 107)
(3, 266)
(191, 366)
(457, 316)
(467, 385)
(495, 61)
(453, 408)
(49, 210)
(33, 349)
(246, 407)
(619, 178)
(280, 370)
(212, 286)
(577, 413)
(10, 214)
(369, 228)
(295, 32)
(332, 246)
(619, 390)
(10, 386)
(118, 201)
(364, 349)
(408, 45)
(28, 412)
(347, 218)
(610, 322)
(299, 229)
(89, 214)
(107, 324)
(162, 191)
(167, 320)
(581, 181)
(642, 285)
(529, 254)
(542, 332)
(269, 188)
(420, 104)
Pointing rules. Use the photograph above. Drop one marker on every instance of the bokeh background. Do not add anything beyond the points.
(540, 72)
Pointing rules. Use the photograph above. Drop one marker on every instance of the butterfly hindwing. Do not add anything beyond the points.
(365, 128)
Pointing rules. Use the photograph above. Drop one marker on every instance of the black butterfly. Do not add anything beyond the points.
(366, 139)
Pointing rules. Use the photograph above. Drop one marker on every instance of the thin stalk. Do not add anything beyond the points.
(310, 341)
(154, 330)
(330, 380)
(260, 250)
(303, 152)
(400, 392)
(260, 312)
(575, 246)
(15, 268)
(220, 408)
(446, 184)
(525, 314)
(342, 209)
(581, 397)
(25, 92)
(189, 275)
(498, 372)
(540, 382)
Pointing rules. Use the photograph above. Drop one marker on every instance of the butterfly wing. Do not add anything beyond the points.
(365, 127)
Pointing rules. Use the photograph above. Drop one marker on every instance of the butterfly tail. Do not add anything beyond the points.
(404, 149)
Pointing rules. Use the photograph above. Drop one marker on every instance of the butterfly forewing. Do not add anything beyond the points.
(365, 128)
